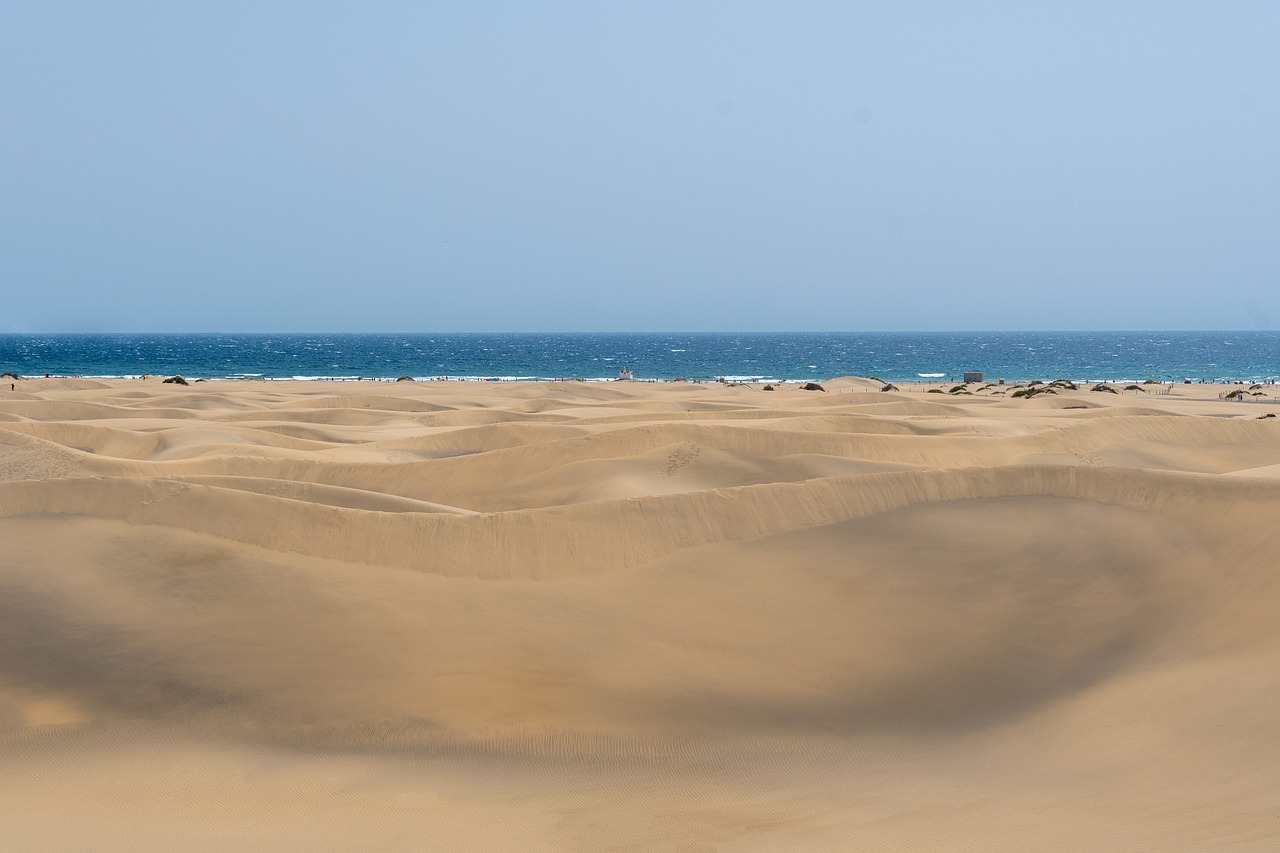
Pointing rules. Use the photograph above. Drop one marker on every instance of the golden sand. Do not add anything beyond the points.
(631, 616)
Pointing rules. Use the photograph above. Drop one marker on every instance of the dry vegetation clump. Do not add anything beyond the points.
(9, 375)
(1063, 383)
(889, 386)
(1267, 415)
(405, 379)
(1102, 386)
(176, 380)
(1152, 382)
(812, 386)
(936, 391)
(1135, 388)
(1032, 391)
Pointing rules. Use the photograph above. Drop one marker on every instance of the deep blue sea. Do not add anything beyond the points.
(891, 356)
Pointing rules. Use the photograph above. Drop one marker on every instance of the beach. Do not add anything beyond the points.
(675, 616)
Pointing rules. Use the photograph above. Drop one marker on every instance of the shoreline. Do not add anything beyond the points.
(733, 379)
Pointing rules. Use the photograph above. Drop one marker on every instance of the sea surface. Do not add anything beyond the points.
(891, 356)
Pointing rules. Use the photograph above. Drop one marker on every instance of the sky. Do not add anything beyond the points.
(684, 166)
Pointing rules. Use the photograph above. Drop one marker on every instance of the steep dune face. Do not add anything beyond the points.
(669, 617)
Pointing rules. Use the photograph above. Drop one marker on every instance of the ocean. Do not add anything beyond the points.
(1252, 356)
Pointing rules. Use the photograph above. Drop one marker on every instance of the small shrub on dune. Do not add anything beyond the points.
(1033, 391)
(1152, 382)
(405, 379)
(888, 386)
(1104, 387)
(176, 380)
(812, 386)
(936, 391)
(1135, 388)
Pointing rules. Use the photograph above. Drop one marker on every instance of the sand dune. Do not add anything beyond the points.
(590, 616)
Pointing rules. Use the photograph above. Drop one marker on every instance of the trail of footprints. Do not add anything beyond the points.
(680, 457)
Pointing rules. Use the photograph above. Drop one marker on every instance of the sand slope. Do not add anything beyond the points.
(568, 616)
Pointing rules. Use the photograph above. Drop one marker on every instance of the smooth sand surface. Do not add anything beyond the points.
(632, 616)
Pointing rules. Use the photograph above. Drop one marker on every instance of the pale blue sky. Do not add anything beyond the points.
(650, 166)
